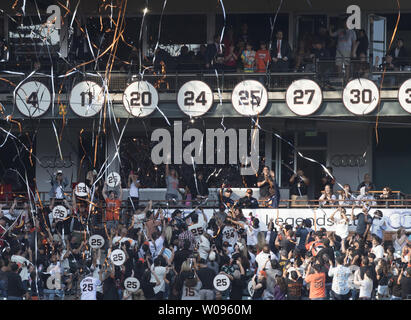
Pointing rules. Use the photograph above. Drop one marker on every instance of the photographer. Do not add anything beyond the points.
(404, 279)
(298, 188)
(15, 290)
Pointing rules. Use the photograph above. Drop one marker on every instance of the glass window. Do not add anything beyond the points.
(174, 31)
(312, 139)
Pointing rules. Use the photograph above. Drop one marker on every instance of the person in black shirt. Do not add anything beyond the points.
(15, 289)
(259, 285)
(298, 190)
(405, 282)
(201, 189)
(225, 200)
(294, 285)
(248, 201)
(265, 181)
(206, 276)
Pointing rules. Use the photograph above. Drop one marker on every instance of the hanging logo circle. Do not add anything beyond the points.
(195, 98)
(249, 98)
(140, 99)
(33, 99)
(86, 99)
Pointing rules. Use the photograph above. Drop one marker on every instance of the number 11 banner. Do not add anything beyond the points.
(86, 98)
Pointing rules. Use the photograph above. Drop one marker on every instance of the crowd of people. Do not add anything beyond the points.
(175, 254)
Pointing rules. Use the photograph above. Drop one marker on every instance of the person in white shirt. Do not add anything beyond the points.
(198, 226)
(327, 198)
(139, 217)
(366, 284)
(377, 248)
(341, 222)
(378, 224)
(340, 289)
(88, 288)
(252, 232)
(133, 185)
(161, 273)
(400, 240)
(264, 258)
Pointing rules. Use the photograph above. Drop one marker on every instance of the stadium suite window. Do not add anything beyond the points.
(312, 139)
(174, 30)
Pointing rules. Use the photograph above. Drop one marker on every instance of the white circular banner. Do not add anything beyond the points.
(250, 288)
(249, 98)
(81, 190)
(33, 99)
(361, 96)
(96, 241)
(304, 97)
(86, 99)
(195, 98)
(59, 212)
(113, 179)
(118, 257)
(132, 284)
(140, 99)
(221, 282)
(404, 95)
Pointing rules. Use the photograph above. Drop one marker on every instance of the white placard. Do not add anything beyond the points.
(404, 95)
(361, 96)
(96, 241)
(249, 98)
(304, 97)
(132, 284)
(250, 288)
(86, 99)
(81, 190)
(113, 179)
(59, 212)
(33, 99)
(118, 257)
(195, 98)
(54, 281)
(221, 282)
(140, 99)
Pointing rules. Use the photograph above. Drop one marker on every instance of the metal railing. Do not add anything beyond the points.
(325, 73)
(402, 201)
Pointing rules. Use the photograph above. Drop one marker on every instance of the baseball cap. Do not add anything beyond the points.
(59, 172)
(228, 190)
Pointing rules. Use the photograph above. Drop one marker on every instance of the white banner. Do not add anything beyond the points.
(395, 218)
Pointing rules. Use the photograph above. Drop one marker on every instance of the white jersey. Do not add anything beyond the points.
(198, 229)
(341, 228)
(88, 287)
(230, 235)
(133, 192)
(191, 293)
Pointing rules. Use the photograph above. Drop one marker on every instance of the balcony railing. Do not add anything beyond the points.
(325, 73)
